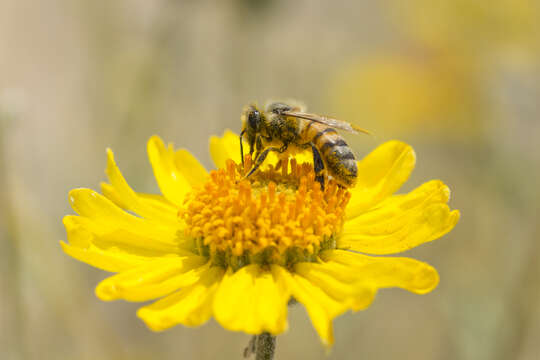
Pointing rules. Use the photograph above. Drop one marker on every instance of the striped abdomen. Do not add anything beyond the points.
(338, 158)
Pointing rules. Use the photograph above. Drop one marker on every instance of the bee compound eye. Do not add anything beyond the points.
(254, 119)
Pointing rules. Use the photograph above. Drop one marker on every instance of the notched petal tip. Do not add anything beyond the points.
(74, 193)
(81, 195)
(397, 149)
(154, 323)
(155, 140)
(171, 181)
(111, 163)
(455, 215)
(64, 246)
(425, 280)
(440, 216)
(77, 235)
(161, 323)
(67, 220)
(106, 291)
(444, 191)
(398, 146)
(155, 146)
(403, 153)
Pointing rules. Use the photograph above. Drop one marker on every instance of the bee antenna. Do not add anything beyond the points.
(242, 147)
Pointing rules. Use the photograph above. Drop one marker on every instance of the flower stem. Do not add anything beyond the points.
(265, 346)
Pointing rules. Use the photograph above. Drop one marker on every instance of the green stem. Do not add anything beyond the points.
(265, 346)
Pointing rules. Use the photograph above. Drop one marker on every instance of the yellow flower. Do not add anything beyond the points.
(219, 245)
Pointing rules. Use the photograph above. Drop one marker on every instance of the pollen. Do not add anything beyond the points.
(279, 215)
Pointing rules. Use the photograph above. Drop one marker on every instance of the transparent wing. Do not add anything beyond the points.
(334, 123)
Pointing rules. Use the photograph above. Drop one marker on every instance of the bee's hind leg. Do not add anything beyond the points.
(318, 166)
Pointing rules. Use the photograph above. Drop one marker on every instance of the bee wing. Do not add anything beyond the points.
(334, 123)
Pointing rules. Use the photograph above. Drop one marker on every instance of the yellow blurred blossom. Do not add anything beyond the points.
(403, 94)
(472, 26)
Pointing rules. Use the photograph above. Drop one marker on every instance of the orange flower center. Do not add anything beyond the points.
(274, 216)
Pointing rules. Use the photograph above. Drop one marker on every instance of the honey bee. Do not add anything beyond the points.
(287, 129)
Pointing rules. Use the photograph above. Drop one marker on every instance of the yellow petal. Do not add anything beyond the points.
(401, 222)
(252, 301)
(127, 240)
(171, 181)
(104, 217)
(191, 306)
(226, 147)
(190, 167)
(380, 174)
(322, 309)
(113, 251)
(382, 272)
(153, 279)
(130, 199)
(338, 285)
(110, 193)
(81, 248)
(399, 206)
(168, 211)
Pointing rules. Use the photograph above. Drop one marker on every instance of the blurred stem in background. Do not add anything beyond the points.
(12, 342)
(130, 107)
(522, 302)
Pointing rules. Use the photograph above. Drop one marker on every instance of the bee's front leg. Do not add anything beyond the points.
(259, 158)
(256, 148)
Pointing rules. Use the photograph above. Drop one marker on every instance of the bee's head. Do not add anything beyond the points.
(252, 121)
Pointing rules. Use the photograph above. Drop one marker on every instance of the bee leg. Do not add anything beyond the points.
(262, 156)
(318, 166)
(260, 159)
(255, 148)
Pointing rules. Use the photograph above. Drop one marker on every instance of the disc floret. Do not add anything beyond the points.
(275, 216)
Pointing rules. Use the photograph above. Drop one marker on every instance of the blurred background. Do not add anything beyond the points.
(457, 79)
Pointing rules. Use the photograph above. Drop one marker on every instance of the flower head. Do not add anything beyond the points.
(220, 245)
